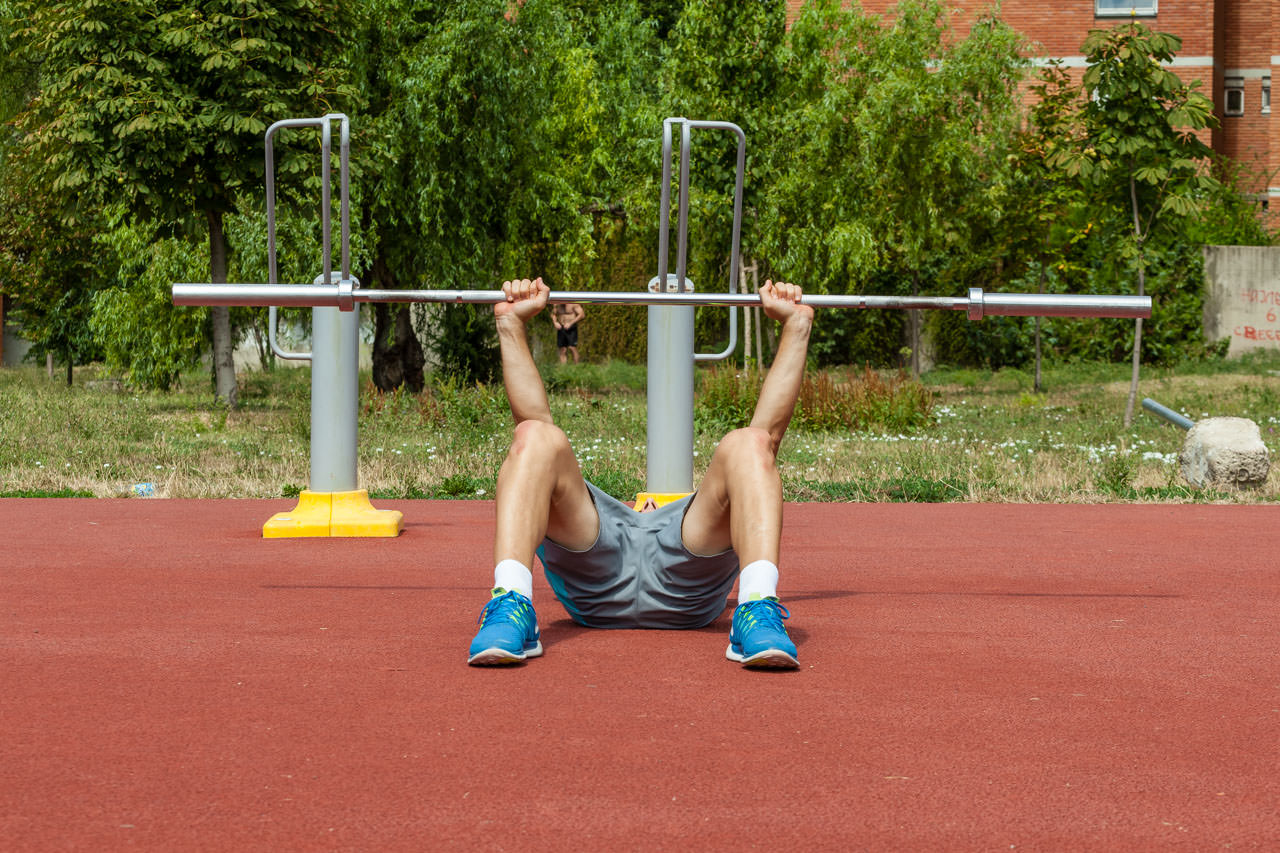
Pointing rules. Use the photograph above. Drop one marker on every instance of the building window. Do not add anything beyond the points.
(1125, 8)
(1266, 95)
(1233, 96)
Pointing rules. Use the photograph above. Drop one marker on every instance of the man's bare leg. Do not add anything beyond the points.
(739, 502)
(540, 489)
(739, 505)
(540, 494)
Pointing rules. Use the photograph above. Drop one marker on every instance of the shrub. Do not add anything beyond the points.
(728, 398)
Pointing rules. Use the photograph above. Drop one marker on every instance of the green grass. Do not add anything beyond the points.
(988, 436)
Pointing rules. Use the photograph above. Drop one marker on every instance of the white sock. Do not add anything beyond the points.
(757, 580)
(514, 575)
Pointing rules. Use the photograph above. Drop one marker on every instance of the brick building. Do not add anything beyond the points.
(1228, 45)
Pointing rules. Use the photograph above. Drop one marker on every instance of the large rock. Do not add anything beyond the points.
(1225, 452)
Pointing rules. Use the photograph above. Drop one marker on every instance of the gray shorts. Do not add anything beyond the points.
(638, 574)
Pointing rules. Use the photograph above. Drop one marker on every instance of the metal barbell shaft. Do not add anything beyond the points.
(978, 304)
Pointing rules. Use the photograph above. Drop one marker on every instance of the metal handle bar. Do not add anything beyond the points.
(977, 304)
(682, 222)
(325, 123)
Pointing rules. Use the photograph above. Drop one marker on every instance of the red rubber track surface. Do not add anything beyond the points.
(973, 677)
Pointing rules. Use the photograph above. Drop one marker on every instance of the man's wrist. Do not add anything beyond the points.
(799, 322)
(510, 323)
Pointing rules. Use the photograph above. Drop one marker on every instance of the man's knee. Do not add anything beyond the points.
(538, 437)
(747, 445)
(747, 453)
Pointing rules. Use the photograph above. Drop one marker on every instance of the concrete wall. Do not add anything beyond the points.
(1242, 296)
(13, 349)
(294, 337)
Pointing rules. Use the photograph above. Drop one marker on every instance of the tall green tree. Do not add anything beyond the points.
(935, 128)
(47, 267)
(723, 61)
(1142, 151)
(162, 104)
(52, 271)
(895, 148)
(483, 149)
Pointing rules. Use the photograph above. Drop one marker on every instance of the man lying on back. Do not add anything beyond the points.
(662, 567)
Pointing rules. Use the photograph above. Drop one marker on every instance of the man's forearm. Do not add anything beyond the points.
(781, 386)
(520, 377)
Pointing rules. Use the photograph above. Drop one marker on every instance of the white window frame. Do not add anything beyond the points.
(1232, 86)
(1266, 96)
(1126, 9)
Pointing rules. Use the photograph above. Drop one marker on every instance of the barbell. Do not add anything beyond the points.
(977, 304)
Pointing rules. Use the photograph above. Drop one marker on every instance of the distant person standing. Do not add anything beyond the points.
(566, 317)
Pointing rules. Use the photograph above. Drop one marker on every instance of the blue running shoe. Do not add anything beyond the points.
(508, 631)
(757, 637)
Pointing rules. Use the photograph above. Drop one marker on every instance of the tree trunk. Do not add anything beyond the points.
(224, 367)
(266, 357)
(1137, 346)
(1137, 324)
(397, 353)
(1036, 385)
(913, 325)
(70, 365)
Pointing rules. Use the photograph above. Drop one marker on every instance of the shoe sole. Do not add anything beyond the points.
(765, 659)
(503, 657)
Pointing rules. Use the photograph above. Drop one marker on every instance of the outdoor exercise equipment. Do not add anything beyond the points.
(334, 506)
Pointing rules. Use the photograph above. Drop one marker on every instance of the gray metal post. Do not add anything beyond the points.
(335, 340)
(669, 385)
(669, 453)
(669, 391)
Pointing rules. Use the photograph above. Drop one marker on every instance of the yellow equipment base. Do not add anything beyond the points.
(333, 514)
(658, 498)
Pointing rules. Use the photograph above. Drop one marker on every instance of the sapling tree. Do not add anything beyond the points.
(1142, 151)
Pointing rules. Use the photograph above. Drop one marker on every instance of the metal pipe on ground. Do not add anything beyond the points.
(1168, 414)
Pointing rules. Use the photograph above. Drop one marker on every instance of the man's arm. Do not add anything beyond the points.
(576, 313)
(525, 392)
(781, 387)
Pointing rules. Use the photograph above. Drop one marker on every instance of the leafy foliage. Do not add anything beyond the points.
(482, 152)
(127, 314)
(160, 105)
(496, 139)
(898, 131)
(161, 101)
